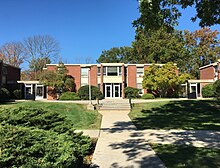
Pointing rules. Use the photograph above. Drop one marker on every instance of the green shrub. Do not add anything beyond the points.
(216, 88)
(69, 96)
(83, 93)
(33, 137)
(29, 147)
(148, 96)
(35, 117)
(17, 94)
(208, 91)
(131, 92)
(4, 93)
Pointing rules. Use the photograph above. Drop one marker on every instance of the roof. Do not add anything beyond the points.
(213, 64)
(201, 81)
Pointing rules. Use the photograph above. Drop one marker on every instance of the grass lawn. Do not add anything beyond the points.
(175, 156)
(76, 113)
(188, 115)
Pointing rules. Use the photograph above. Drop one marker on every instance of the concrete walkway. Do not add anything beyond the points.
(120, 146)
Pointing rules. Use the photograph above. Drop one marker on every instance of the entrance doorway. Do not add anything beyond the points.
(39, 92)
(112, 90)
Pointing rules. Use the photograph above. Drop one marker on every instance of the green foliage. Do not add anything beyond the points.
(83, 93)
(155, 14)
(116, 55)
(148, 96)
(27, 147)
(69, 96)
(58, 80)
(33, 137)
(17, 94)
(164, 80)
(35, 117)
(131, 92)
(4, 93)
(208, 91)
(216, 88)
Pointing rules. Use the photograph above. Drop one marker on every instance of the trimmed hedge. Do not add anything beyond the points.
(69, 96)
(33, 137)
(148, 96)
(131, 92)
(4, 93)
(208, 91)
(83, 93)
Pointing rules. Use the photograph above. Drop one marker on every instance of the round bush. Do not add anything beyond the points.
(4, 93)
(83, 93)
(17, 94)
(208, 91)
(69, 96)
(148, 96)
(216, 88)
(131, 92)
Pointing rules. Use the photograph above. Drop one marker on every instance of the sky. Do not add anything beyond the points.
(83, 28)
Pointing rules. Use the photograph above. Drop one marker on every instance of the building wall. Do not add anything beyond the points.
(207, 73)
(94, 76)
(12, 75)
(75, 72)
(132, 76)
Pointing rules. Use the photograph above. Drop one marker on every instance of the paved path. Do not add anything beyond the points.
(120, 146)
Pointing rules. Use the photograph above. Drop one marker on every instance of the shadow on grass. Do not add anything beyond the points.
(187, 156)
(187, 115)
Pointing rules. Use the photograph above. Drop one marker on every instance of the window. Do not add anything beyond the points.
(84, 72)
(119, 70)
(139, 86)
(83, 84)
(112, 71)
(3, 79)
(104, 70)
(140, 71)
(99, 71)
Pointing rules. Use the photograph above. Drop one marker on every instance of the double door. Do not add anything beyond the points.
(112, 91)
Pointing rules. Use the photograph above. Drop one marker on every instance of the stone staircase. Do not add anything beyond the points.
(114, 105)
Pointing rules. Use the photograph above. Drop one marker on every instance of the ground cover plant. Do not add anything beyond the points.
(76, 114)
(36, 137)
(187, 115)
(175, 156)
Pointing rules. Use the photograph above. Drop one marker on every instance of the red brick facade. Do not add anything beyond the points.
(132, 76)
(207, 73)
(93, 74)
(107, 79)
(10, 74)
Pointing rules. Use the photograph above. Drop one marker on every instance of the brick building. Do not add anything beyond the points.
(208, 74)
(9, 75)
(110, 78)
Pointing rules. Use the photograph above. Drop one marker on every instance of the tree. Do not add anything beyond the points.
(116, 54)
(206, 10)
(41, 50)
(160, 47)
(13, 53)
(58, 80)
(164, 80)
(204, 48)
(155, 14)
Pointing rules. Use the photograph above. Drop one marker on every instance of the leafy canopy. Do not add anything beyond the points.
(163, 80)
(58, 80)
